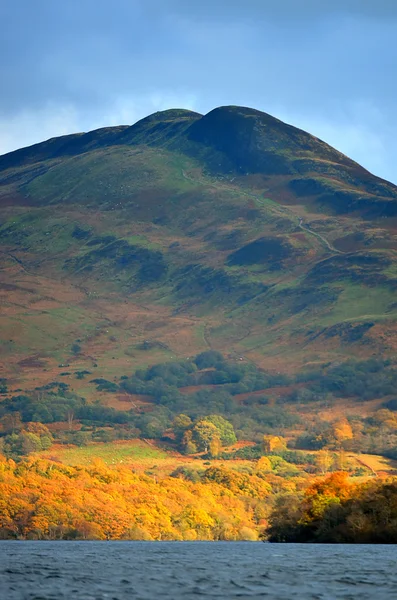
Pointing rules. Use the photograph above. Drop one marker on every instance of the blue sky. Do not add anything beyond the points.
(326, 66)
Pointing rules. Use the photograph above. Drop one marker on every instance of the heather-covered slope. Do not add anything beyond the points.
(231, 231)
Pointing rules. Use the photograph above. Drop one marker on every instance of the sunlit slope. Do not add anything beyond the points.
(233, 231)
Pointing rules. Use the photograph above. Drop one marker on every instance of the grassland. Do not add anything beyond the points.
(136, 453)
(141, 456)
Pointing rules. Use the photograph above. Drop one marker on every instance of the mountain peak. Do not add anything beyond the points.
(242, 141)
(256, 142)
(171, 114)
(160, 127)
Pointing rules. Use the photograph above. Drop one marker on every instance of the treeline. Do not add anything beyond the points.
(41, 499)
(46, 500)
(333, 510)
(365, 380)
(56, 404)
(207, 368)
(84, 423)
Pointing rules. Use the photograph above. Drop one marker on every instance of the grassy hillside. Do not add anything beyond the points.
(130, 246)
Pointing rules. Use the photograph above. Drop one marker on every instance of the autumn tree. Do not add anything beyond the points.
(215, 446)
(204, 432)
(272, 443)
(342, 431)
(11, 422)
(324, 460)
(42, 499)
(225, 429)
(263, 464)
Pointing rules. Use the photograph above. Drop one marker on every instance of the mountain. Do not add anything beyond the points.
(196, 310)
(230, 231)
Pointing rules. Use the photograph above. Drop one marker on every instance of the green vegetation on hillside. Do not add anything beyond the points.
(207, 402)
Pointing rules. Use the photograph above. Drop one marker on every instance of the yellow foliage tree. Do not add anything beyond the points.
(342, 430)
(41, 499)
(272, 443)
(263, 464)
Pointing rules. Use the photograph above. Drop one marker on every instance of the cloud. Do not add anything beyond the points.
(30, 126)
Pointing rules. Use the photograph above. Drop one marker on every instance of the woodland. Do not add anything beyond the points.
(243, 469)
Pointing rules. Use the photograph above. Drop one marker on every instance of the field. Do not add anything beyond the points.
(138, 454)
(154, 460)
(142, 456)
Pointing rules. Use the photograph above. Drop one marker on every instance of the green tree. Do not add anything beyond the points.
(76, 348)
(30, 442)
(205, 432)
(12, 445)
(187, 442)
(180, 424)
(225, 428)
(208, 359)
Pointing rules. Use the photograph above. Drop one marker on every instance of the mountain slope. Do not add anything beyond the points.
(185, 232)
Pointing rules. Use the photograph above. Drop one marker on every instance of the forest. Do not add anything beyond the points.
(44, 500)
(245, 456)
(333, 510)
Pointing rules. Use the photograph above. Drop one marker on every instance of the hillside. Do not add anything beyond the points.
(209, 299)
(232, 231)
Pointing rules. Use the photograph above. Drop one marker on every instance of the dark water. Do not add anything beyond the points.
(175, 570)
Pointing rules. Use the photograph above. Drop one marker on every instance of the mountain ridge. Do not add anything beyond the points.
(240, 141)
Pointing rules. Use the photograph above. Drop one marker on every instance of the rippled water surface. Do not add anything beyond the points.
(177, 570)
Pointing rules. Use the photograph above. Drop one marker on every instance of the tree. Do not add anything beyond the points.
(324, 460)
(76, 348)
(208, 359)
(12, 445)
(225, 428)
(42, 432)
(38, 429)
(204, 432)
(272, 443)
(11, 422)
(70, 418)
(264, 464)
(30, 442)
(180, 424)
(342, 431)
(187, 442)
(215, 447)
